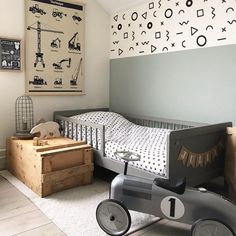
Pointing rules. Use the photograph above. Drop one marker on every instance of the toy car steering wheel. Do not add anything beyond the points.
(127, 155)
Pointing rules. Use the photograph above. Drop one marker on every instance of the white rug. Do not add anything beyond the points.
(73, 210)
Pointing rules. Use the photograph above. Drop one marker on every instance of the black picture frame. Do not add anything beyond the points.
(10, 54)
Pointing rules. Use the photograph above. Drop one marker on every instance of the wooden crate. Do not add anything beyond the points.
(61, 164)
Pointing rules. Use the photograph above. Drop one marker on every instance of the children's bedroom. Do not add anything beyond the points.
(118, 117)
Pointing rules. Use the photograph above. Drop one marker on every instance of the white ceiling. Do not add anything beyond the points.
(112, 6)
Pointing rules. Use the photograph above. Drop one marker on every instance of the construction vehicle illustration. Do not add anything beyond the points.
(76, 18)
(39, 28)
(57, 13)
(56, 43)
(58, 81)
(73, 44)
(75, 76)
(58, 65)
(38, 81)
(35, 9)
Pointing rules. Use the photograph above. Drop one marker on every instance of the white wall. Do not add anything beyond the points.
(96, 68)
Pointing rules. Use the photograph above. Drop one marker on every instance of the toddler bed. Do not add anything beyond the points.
(169, 149)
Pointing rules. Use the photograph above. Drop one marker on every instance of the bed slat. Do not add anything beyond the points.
(96, 138)
(76, 132)
(81, 132)
(91, 136)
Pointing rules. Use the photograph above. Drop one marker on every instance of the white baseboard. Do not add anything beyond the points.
(3, 159)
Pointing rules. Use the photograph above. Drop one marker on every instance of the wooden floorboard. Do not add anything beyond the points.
(10, 195)
(22, 223)
(19, 216)
(16, 208)
(49, 230)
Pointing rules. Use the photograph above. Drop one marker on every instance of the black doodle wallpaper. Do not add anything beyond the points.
(172, 25)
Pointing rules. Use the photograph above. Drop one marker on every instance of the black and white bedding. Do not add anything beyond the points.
(123, 135)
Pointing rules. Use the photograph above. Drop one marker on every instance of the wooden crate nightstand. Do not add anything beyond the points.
(61, 164)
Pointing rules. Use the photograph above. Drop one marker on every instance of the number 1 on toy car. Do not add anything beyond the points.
(172, 207)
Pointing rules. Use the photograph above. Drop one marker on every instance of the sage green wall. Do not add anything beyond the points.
(197, 85)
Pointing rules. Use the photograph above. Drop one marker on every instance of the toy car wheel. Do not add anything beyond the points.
(211, 227)
(113, 217)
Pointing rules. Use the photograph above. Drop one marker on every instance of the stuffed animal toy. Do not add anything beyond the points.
(48, 129)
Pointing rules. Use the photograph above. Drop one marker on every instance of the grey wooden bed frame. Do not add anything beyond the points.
(197, 137)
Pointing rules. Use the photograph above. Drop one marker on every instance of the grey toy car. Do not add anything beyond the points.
(209, 214)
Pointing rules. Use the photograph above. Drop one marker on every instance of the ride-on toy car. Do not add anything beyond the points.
(209, 214)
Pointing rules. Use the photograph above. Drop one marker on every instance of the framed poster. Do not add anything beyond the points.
(10, 54)
(54, 48)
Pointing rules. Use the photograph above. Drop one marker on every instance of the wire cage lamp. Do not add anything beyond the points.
(24, 115)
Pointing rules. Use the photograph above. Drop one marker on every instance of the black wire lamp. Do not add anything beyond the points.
(24, 116)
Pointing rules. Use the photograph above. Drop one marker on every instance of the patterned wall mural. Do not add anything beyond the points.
(171, 25)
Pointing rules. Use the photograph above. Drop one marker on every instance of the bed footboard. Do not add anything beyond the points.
(91, 133)
(197, 153)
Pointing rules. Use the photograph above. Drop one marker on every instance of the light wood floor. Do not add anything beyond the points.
(19, 216)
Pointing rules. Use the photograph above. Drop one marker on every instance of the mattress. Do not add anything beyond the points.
(123, 135)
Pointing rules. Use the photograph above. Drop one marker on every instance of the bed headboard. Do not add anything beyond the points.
(155, 122)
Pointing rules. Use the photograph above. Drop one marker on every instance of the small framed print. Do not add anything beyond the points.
(10, 54)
